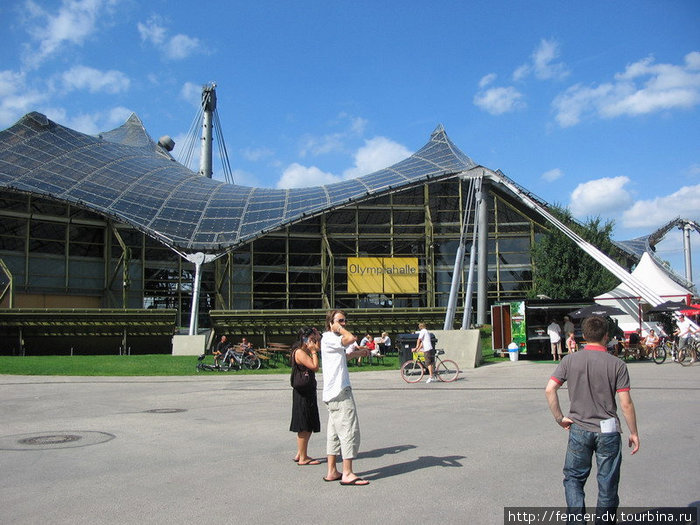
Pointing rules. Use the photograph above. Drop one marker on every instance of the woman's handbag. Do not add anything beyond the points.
(300, 378)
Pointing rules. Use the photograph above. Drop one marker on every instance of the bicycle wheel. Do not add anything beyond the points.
(251, 362)
(412, 371)
(447, 370)
(688, 358)
(659, 354)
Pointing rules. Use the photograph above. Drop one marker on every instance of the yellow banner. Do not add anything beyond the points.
(391, 275)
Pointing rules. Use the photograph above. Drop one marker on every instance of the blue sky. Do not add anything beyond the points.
(594, 105)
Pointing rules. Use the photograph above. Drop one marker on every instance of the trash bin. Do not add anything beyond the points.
(513, 351)
(405, 342)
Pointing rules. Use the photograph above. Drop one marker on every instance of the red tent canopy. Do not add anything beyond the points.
(693, 310)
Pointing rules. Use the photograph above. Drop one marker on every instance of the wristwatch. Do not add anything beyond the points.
(559, 419)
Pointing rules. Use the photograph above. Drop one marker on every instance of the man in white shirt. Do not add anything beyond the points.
(343, 430)
(554, 332)
(425, 345)
(684, 331)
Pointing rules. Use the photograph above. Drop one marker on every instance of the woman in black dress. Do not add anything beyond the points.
(305, 418)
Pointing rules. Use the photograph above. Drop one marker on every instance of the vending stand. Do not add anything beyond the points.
(525, 323)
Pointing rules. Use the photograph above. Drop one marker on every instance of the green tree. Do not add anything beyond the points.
(561, 270)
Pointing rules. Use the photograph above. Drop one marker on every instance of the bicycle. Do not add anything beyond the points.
(689, 353)
(446, 370)
(234, 361)
(670, 346)
(202, 366)
(658, 354)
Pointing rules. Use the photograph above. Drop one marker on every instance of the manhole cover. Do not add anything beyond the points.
(51, 440)
(165, 410)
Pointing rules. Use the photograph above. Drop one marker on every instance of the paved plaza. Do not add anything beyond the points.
(215, 449)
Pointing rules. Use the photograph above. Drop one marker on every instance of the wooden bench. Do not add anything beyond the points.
(278, 351)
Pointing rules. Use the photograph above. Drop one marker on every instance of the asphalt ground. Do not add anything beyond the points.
(215, 448)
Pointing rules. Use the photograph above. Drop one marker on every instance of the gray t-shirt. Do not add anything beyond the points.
(594, 377)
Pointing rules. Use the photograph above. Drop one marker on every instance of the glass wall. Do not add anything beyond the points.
(305, 265)
(57, 249)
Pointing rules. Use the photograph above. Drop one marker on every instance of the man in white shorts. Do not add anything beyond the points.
(343, 432)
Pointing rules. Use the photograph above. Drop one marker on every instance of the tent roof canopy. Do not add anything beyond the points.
(125, 175)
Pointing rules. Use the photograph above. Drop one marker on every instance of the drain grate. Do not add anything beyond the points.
(165, 410)
(54, 440)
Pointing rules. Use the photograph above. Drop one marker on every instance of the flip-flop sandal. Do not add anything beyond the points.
(358, 482)
(311, 462)
(332, 480)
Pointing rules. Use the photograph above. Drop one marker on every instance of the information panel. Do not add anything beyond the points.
(390, 275)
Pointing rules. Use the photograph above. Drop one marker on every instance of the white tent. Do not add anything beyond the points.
(653, 276)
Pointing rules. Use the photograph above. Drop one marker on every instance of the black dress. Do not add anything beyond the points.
(305, 416)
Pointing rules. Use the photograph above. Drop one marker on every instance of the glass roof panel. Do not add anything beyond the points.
(124, 174)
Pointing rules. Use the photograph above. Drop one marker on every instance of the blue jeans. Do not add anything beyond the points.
(577, 467)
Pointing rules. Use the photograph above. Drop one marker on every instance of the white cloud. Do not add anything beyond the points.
(192, 93)
(16, 98)
(543, 63)
(316, 146)
(552, 175)
(486, 80)
(604, 197)
(90, 123)
(654, 212)
(298, 176)
(152, 31)
(173, 48)
(376, 154)
(181, 46)
(499, 100)
(333, 142)
(94, 80)
(256, 154)
(642, 88)
(74, 22)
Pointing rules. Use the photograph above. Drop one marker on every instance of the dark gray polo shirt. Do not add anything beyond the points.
(594, 377)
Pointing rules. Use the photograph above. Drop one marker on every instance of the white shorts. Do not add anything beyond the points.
(343, 432)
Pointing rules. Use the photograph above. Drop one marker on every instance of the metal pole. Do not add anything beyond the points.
(194, 311)
(466, 317)
(208, 107)
(483, 250)
(686, 250)
(456, 278)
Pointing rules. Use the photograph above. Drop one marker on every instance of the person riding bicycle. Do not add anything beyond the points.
(425, 345)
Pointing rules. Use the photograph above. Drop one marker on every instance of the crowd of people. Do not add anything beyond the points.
(597, 381)
(225, 351)
(337, 346)
(638, 343)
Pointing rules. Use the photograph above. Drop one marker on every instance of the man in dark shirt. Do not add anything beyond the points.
(594, 377)
(221, 348)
